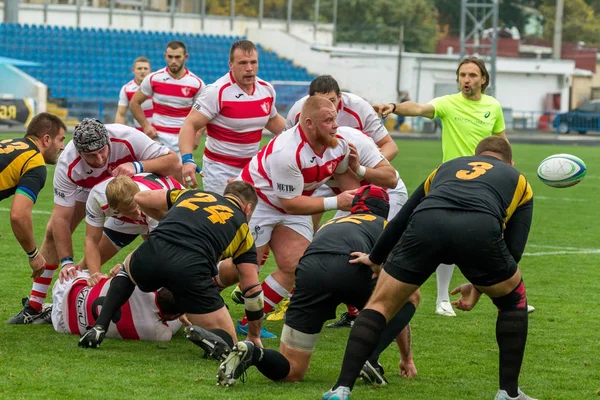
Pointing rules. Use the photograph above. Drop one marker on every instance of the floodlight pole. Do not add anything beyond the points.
(469, 11)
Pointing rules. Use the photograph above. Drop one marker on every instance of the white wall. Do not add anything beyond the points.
(22, 86)
(522, 84)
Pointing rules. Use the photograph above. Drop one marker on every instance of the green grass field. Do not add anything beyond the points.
(456, 357)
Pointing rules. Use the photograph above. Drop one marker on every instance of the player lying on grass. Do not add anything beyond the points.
(113, 220)
(96, 152)
(324, 279)
(145, 316)
(181, 254)
(473, 211)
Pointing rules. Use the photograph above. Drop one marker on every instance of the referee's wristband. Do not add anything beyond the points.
(394, 109)
(139, 167)
(188, 158)
(33, 254)
(66, 261)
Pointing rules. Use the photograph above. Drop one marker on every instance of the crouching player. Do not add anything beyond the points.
(181, 254)
(145, 316)
(324, 280)
(113, 219)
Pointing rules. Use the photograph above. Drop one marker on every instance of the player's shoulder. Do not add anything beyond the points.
(156, 74)
(352, 100)
(67, 156)
(195, 78)
(263, 83)
(298, 104)
(352, 134)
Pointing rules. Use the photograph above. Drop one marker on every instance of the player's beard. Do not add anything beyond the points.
(327, 140)
(175, 69)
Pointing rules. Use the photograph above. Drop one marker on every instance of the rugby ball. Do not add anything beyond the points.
(561, 170)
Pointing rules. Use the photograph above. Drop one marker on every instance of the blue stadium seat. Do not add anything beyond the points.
(93, 63)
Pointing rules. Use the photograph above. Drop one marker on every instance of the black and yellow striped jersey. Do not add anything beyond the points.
(212, 225)
(481, 184)
(477, 183)
(22, 168)
(344, 235)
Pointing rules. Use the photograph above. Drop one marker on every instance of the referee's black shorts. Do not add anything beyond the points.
(187, 274)
(471, 240)
(324, 281)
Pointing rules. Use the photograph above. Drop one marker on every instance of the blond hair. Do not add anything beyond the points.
(120, 192)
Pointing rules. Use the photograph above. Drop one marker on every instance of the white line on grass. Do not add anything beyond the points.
(559, 198)
(562, 252)
(33, 211)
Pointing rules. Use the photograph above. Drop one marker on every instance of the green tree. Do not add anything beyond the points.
(379, 21)
(580, 23)
(509, 14)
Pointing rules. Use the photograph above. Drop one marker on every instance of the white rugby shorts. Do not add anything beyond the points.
(216, 175)
(266, 218)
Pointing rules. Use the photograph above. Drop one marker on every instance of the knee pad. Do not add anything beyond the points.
(515, 300)
(298, 340)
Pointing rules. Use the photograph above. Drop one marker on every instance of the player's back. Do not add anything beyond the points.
(212, 225)
(17, 156)
(476, 183)
(344, 235)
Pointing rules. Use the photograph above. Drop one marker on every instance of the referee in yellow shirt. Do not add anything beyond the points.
(467, 117)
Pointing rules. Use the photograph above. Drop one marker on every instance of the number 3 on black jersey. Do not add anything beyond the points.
(477, 169)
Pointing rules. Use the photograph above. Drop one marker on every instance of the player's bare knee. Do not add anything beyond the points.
(514, 301)
(297, 347)
(415, 298)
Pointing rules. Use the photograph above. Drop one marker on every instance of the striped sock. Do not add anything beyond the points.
(273, 293)
(41, 286)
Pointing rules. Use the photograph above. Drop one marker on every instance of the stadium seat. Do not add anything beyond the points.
(101, 59)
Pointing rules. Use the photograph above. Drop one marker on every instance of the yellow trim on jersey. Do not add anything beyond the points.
(174, 195)
(523, 193)
(12, 173)
(429, 180)
(241, 243)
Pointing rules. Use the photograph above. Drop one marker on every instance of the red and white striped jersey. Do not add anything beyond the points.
(73, 176)
(368, 153)
(237, 119)
(353, 111)
(97, 209)
(172, 98)
(288, 167)
(125, 96)
(138, 319)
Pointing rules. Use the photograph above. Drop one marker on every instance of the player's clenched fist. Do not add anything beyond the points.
(383, 109)
(344, 200)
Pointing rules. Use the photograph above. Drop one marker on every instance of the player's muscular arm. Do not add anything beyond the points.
(388, 147)
(306, 205)
(136, 109)
(194, 122)
(517, 230)
(276, 125)
(395, 228)
(383, 174)
(21, 221)
(61, 230)
(347, 180)
(168, 164)
(93, 260)
(121, 114)
(153, 203)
